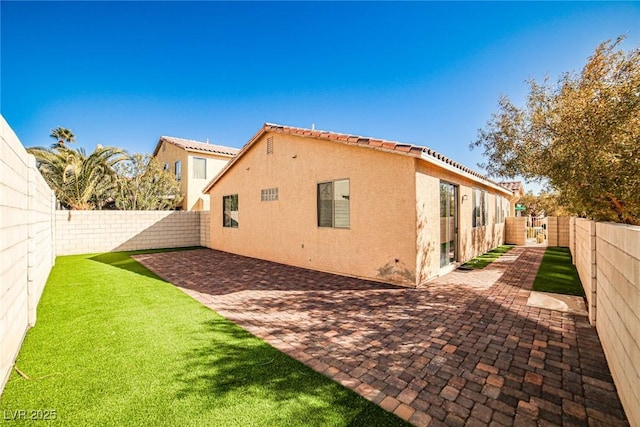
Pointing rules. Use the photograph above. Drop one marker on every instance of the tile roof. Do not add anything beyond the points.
(203, 147)
(515, 186)
(416, 151)
(398, 147)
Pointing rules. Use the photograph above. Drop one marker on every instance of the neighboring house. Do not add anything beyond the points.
(518, 191)
(194, 164)
(352, 205)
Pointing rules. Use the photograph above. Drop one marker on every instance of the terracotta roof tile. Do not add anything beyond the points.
(408, 149)
(512, 185)
(379, 144)
(202, 147)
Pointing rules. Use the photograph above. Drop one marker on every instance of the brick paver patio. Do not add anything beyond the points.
(462, 350)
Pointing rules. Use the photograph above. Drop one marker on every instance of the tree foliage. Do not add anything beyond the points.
(580, 135)
(62, 135)
(108, 176)
(80, 181)
(144, 185)
(544, 204)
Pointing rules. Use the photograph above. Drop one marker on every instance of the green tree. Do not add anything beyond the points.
(581, 136)
(144, 185)
(80, 181)
(546, 203)
(62, 135)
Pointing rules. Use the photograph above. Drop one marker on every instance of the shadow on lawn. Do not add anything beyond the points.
(124, 260)
(232, 367)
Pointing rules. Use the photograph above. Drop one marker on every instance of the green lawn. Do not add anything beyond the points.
(116, 345)
(481, 261)
(557, 274)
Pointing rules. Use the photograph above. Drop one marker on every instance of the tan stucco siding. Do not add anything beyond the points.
(196, 200)
(471, 241)
(191, 187)
(170, 154)
(427, 225)
(382, 208)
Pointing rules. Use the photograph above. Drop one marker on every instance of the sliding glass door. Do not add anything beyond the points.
(448, 223)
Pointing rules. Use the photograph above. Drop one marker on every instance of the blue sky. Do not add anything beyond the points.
(428, 73)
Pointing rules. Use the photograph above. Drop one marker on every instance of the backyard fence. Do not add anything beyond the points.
(81, 232)
(32, 233)
(607, 257)
(26, 244)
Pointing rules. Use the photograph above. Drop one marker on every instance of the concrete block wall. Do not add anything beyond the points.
(558, 231)
(584, 259)
(79, 232)
(515, 230)
(26, 244)
(205, 229)
(618, 294)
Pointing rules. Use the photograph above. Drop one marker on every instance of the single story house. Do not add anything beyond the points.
(194, 164)
(353, 205)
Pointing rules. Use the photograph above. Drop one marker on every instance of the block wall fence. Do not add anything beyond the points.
(27, 208)
(81, 232)
(607, 257)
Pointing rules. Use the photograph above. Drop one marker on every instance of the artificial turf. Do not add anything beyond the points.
(116, 345)
(481, 261)
(557, 274)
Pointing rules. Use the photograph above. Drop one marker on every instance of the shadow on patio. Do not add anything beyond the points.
(445, 353)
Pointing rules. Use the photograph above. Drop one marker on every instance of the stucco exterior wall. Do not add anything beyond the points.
(428, 225)
(191, 188)
(79, 232)
(26, 248)
(170, 154)
(471, 241)
(196, 199)
(618, 324)
(381, 241)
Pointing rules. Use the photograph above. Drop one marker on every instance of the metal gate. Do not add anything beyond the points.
(536, 231)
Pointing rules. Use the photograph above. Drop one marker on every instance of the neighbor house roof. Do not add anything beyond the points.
(197, 146)
(515, 186)
(411, 150)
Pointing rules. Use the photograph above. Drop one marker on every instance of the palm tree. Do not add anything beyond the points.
(80, 182)
(62, 135)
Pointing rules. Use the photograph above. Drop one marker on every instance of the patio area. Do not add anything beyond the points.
(462, 350)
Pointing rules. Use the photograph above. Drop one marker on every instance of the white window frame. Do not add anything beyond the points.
(193, 166)
(336, 221)
(178, 170)
(227, 214)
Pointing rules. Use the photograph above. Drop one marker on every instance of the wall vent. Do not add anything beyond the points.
(270, 145)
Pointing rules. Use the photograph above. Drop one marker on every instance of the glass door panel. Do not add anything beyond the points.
(448, 223)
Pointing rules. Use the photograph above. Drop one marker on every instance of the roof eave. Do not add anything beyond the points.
(235, 158)
(215, 153)
(429, 159)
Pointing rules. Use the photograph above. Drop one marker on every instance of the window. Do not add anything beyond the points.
(485, 207)
(166, 167)
(501, 206)
(269, 194)
(333, 204)
(230, 211)
(480, 207)
(199, 168)
(178, 170)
